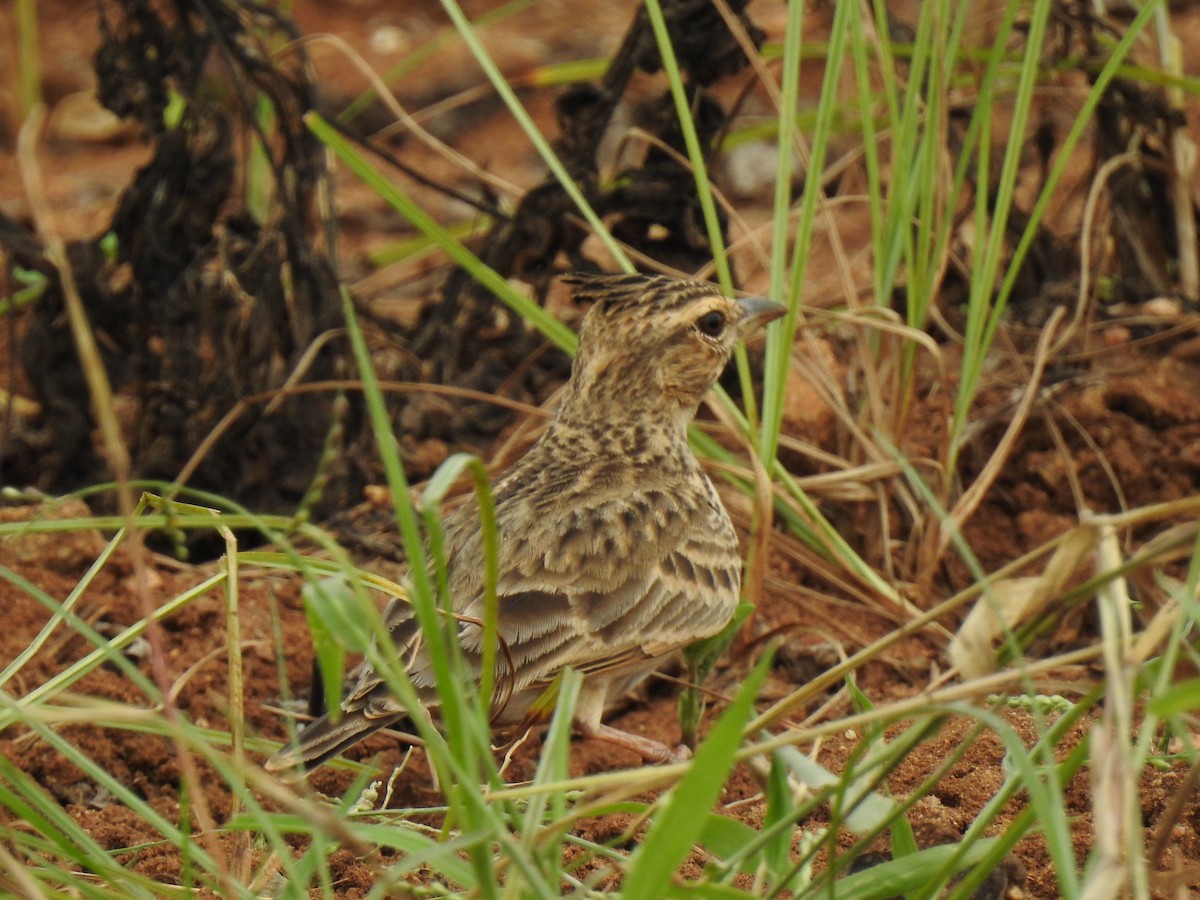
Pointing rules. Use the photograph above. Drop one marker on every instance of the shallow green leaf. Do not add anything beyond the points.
(912, 873)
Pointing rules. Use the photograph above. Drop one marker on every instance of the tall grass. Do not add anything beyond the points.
(29, 63)
(889, 101)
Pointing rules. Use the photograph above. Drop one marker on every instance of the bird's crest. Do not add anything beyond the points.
(649, 293)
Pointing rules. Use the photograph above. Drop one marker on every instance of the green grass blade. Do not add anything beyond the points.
(549, 157)
(682, 817)
(555, 331)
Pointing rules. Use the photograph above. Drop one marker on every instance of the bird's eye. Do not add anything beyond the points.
(711, 323)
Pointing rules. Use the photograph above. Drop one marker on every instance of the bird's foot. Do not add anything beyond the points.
(681, 753)
(650, 750)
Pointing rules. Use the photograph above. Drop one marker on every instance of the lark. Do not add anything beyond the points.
(614, 547)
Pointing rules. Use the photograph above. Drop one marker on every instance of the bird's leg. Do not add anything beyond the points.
(587, 724)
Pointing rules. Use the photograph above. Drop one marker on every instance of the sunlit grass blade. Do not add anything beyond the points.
(426, 51)
(533, 134)
(554, 330)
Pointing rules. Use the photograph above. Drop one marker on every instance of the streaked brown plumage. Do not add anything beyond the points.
(614, 547)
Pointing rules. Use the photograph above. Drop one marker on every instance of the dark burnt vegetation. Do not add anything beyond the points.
(214, 290)
(198, 301)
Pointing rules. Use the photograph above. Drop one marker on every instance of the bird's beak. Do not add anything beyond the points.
(757, 312)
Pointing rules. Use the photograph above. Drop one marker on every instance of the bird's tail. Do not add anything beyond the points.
(322, 739)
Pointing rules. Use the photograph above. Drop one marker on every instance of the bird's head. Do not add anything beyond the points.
(657, 341)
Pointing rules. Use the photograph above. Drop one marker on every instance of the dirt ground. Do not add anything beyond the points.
(1135, 440)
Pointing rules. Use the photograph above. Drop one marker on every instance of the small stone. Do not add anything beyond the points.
(1162, 308)
(1117, 336)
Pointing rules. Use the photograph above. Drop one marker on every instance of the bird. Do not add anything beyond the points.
(614, 547)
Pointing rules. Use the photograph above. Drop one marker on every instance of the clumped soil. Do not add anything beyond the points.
(1132, 398)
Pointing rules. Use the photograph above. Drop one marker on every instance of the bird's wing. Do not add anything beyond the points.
(678, 588)
(575, 592)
